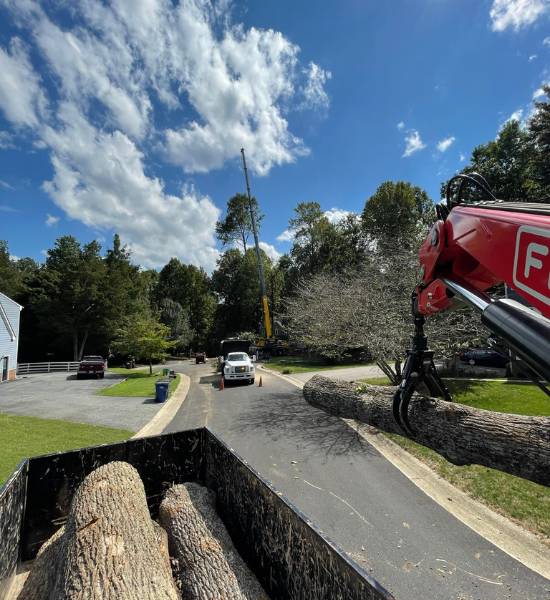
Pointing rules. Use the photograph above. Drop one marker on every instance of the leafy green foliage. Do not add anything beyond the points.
(235, 281)
(11, 278)
(190, 287)
(539, 132)
(145, 338)
(517, 163)
(237, 225)
(176, 318)
(397, 216)
(70, 292)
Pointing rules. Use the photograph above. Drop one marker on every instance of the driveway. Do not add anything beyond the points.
(62, 396)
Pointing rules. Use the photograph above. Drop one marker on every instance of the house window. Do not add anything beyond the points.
(4, 365)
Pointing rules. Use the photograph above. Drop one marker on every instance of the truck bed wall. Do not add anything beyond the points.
(288, 554)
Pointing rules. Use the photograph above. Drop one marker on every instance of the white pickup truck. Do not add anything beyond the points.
(238, 366)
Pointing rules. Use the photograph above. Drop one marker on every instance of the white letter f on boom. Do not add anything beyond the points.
(532, 261)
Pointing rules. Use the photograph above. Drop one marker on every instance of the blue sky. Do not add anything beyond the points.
(130, 117)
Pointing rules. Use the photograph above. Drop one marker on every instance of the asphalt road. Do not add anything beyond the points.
(410, 544)
(62, 396)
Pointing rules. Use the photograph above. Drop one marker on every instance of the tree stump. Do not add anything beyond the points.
(515, 444)
(207, 565)
(109, 548)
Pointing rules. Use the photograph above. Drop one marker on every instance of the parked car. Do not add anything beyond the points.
(484, 357)
(238, 366)
(92, 366)
(200, 357)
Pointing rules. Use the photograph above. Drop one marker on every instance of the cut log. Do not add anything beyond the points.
(109, 547)
(206, 563)
(41, 579)
(515, 444)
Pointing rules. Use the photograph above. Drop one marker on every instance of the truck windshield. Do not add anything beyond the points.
(237, 356)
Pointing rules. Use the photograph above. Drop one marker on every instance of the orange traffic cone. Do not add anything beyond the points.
(222, 384)
(260, 384)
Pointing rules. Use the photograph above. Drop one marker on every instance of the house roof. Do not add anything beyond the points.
(5, 298)
(4, 317)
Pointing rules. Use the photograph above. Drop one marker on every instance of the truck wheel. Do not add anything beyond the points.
(102, 376)
(252, 381)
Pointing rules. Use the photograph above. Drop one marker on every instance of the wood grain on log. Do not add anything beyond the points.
(515, 444)
(109, 548)
(207, 565)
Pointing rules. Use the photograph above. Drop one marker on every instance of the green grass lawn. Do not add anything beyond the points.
(138, 384)
(524, 501)
(29, 436)
(297, 364)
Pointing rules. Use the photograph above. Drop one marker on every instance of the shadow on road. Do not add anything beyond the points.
(290, 416)
(213, 380)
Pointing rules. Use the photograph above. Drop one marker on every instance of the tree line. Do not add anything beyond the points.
(342, 290)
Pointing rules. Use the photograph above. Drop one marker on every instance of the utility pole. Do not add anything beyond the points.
(265, 304)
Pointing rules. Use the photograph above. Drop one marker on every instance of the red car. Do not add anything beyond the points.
(92, 366)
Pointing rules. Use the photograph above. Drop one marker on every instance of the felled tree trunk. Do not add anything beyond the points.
(515, 444)
(207, 565)
(108, 549)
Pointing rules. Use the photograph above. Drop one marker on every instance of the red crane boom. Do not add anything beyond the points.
(471, 248)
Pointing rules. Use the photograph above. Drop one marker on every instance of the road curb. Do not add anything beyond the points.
(520, 544)
(168, 410)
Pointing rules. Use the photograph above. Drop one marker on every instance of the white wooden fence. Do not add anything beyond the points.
(46, 367)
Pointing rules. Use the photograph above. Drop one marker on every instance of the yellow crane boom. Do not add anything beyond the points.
(265, 303)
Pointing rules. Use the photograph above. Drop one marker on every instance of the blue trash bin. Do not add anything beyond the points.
(161, 391)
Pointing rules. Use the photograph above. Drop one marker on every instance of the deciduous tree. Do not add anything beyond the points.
(145, 338)
(397, 216)
(70, 294)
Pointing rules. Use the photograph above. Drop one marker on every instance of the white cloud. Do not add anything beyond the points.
(21, 98)
(444, 144)
(315, 95)
(546, 41)
(14, 257)
(8, 209)
(413, 143)
(271, 251)
(51, 220)
(400, 125)
(5, 185)
(538, 93)
(532, 57)
(334, 215)
(286, 236)
(515, 116)
(516, 14)
(6, 140)
(462, 157)
(119, 72)
(102, 183)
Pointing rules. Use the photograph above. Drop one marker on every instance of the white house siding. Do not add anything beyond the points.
(8, 346)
